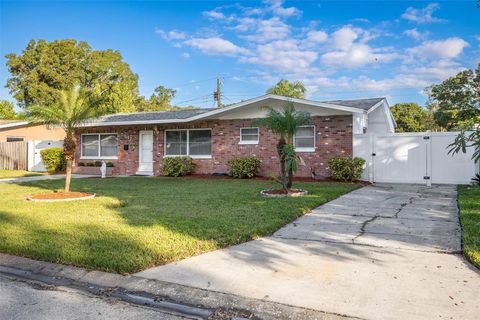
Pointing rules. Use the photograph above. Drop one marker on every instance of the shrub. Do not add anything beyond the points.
(81, 164)
(243, 167)
(53, 159)
(110, 164)
(346, 168)
(476, 179)
(177, 166)
(98, 163)
(90, 164)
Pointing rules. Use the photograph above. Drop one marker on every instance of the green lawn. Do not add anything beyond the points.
(470, 218)
(17, 174)
(136, 222)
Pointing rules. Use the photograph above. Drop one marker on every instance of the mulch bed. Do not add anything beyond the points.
(61, 196)
(280, 193)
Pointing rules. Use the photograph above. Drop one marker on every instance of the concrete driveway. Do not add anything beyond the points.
(380, 252)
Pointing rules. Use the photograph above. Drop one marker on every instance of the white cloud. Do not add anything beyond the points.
(171, 35)
(357, 55)
(276, 6)
(424, 15)
(266, 30)
(214, 15)
(443, 49)
(283, 55)
(216, 45)
(415, 34)
(344, 37)
(316, 36)
(186, 55)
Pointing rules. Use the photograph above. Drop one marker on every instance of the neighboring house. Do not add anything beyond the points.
(21, 130)
(136, 143)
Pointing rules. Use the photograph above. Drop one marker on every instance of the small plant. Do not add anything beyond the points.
(90, 164)
(178, 166)
(243, 167)
(81, 164)
(98, 163)
(53, 159)
(346, 168)
(110, 164)
(476, 179)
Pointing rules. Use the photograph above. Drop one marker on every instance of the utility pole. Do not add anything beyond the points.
(217, 95)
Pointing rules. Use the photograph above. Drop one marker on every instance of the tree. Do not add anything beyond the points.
(44, 67)
(286, 88)
(69, 109)
(160, 100)
(410, 117)
(285, 123)
(6, 110)
(456, 101)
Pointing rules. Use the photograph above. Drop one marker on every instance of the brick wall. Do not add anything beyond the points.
(333, 136)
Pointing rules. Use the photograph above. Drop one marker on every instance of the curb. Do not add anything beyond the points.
(164, 291)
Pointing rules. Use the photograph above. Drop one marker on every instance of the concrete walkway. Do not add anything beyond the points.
(380, 252)
(44, 177)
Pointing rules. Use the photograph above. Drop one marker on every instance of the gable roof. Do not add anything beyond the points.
(353, 106)
(12, 123)
(364, 104)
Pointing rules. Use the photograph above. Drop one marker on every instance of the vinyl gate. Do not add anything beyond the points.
(414, 158)
(34, 158)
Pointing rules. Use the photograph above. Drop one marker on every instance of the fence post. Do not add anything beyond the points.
(428, 160)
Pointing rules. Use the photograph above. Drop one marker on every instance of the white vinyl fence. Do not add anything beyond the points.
(414, 158)
(34, 158)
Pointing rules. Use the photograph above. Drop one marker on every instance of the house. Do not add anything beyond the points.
(21, 130)
(137, 143)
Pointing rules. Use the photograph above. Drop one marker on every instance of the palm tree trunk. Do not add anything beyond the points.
(283, 176)
(68, 176)
(290, 179)
(69, 152)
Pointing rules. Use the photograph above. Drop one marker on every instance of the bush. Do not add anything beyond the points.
(53, 159)
(98, 163)
(90, 164)
(243, 167)
(177, 166)
(346, 168)
(81, 164)
(110, 164)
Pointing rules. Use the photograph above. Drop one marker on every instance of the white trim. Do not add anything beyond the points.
(375, 106)
(226, 109)
(314, 139)
(13, 124)
(140, 151)
(250, 141)
(98, 156)
(205, 156)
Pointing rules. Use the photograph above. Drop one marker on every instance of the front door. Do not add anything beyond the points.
(146, 152)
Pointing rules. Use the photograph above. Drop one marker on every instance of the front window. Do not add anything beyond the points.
(248, 135)
(99, 146)
(305, 139)
(195, 143)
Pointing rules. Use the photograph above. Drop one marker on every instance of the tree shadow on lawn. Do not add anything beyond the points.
(173, 219)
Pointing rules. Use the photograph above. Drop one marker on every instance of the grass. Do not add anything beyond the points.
(136, 222)
(469, 198)
(18, 173)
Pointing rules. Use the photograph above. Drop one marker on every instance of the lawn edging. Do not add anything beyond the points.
(99, 282)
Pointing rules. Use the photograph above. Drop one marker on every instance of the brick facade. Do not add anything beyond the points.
(333, 136)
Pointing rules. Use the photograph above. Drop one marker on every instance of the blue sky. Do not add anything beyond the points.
(339, 49)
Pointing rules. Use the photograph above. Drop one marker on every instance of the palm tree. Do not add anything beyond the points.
(294, 89)
(285, 123)
(70, 111)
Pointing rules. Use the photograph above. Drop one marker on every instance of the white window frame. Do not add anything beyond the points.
(165, 155)
(314, 140)
(98, 157)
(250, 141)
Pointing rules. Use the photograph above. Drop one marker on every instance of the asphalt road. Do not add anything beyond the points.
(22, 300)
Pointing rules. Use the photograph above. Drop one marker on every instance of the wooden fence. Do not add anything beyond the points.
(13, 155)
